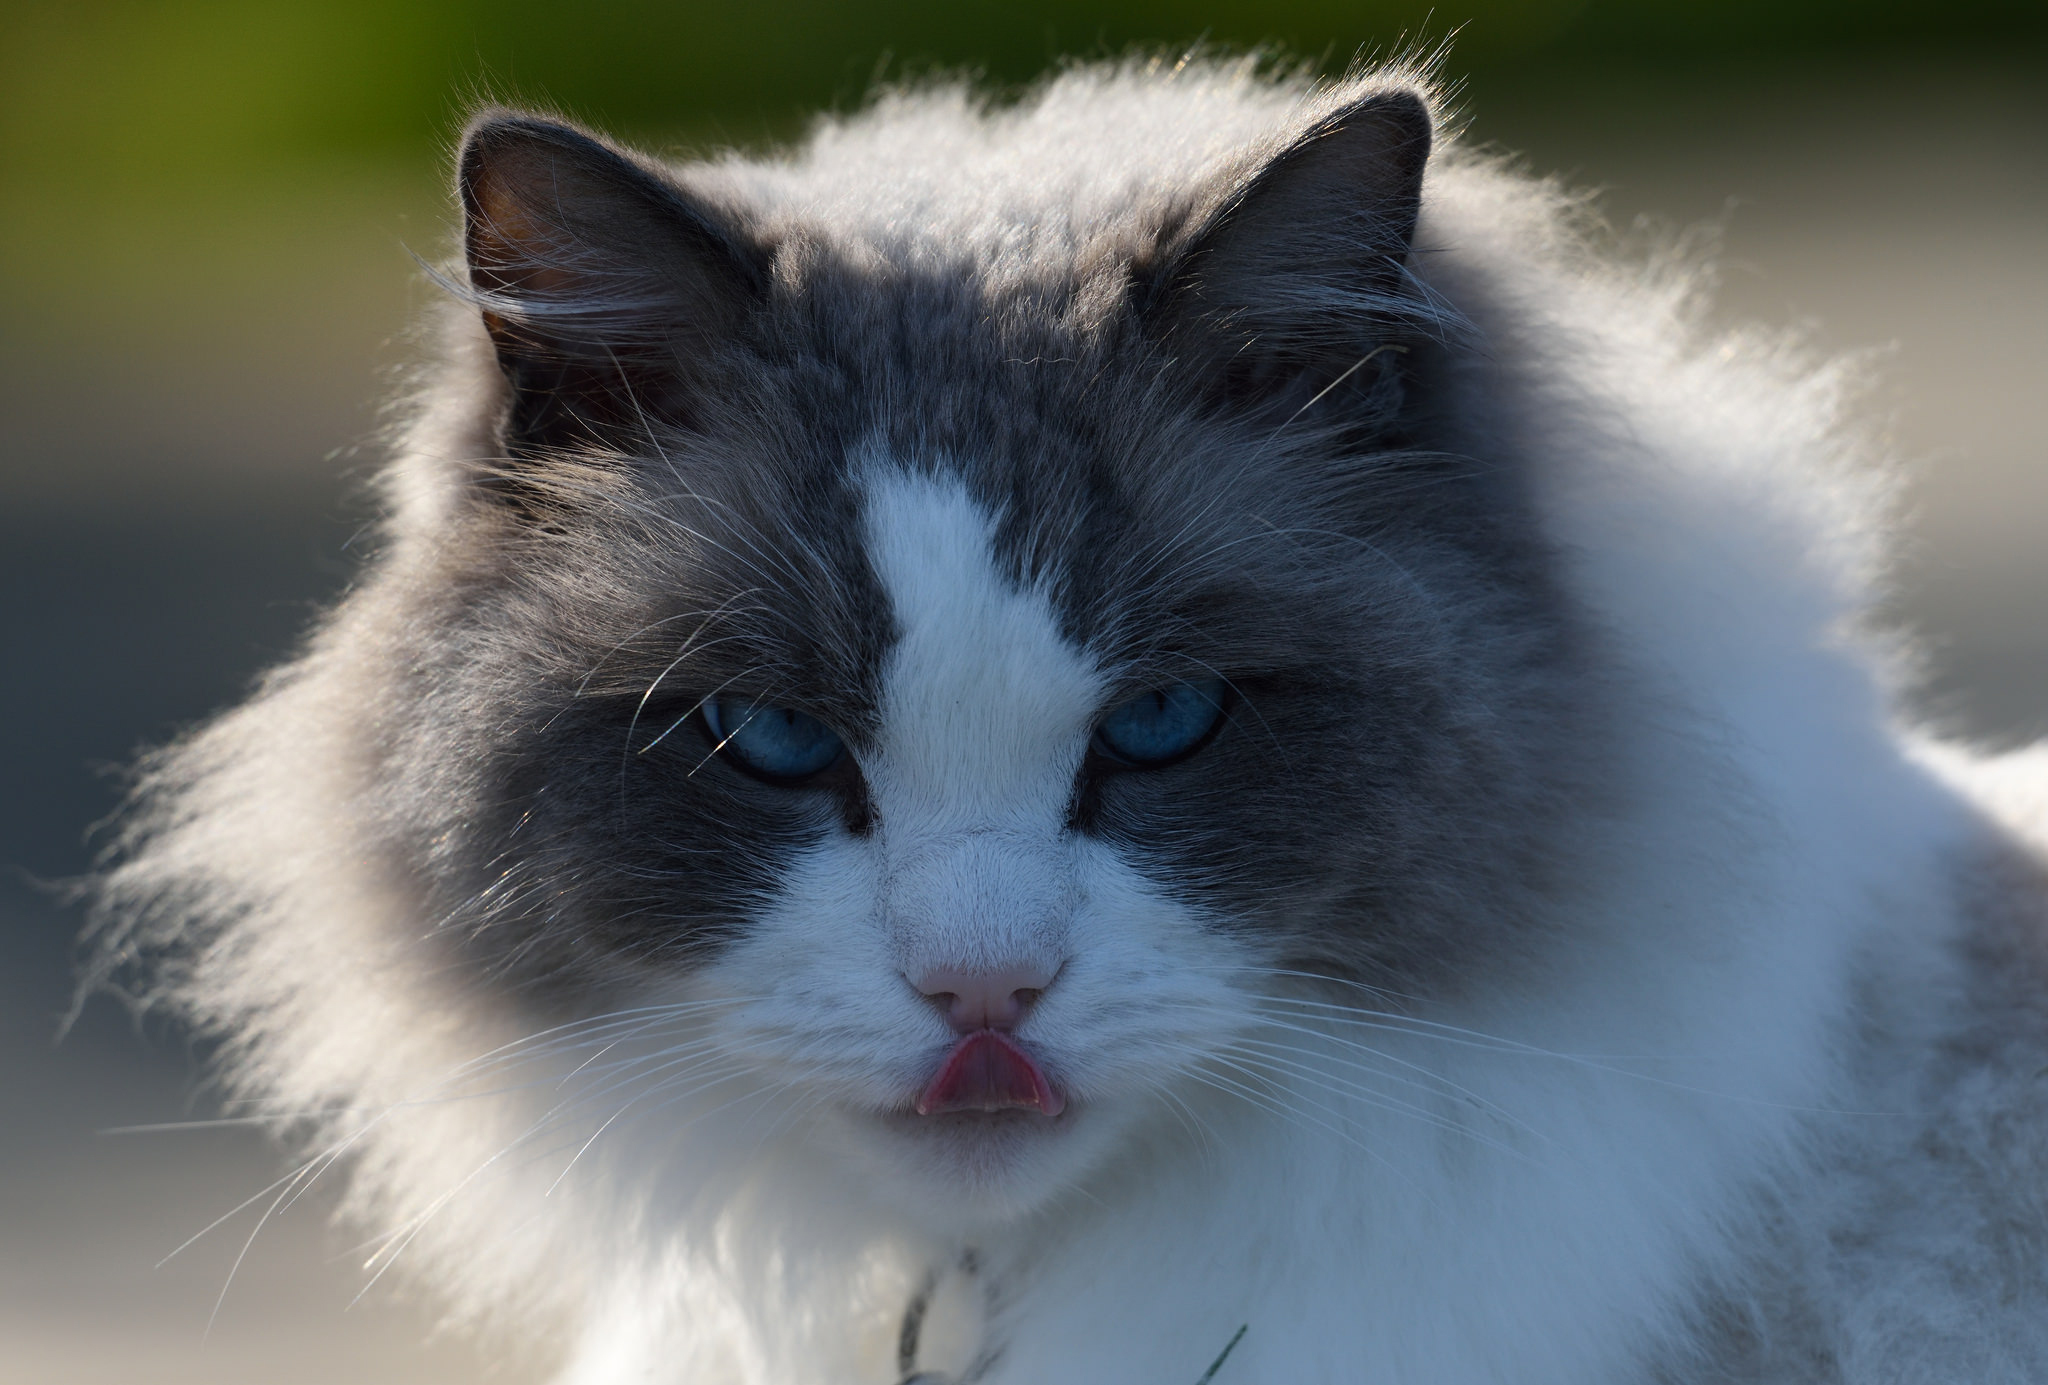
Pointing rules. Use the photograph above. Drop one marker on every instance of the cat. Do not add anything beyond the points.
(1166, 729)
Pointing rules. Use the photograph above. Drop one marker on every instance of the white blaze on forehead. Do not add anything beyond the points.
(986, 707)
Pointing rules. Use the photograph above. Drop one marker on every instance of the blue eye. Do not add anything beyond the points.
(1165, 725)
(776, 743)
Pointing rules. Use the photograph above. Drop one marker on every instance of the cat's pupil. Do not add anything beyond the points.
(1163, 726)
(778, 743)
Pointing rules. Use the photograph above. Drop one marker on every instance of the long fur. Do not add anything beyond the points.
(1720, 1062)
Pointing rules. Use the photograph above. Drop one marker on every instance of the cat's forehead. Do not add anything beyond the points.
(982, 690)
(1136, 566)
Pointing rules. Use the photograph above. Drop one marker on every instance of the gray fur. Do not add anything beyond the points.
(1229, 411)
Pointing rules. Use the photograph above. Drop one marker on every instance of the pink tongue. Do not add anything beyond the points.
(988, 1072)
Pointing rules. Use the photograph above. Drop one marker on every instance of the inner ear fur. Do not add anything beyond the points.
(1298, 272)
(606, 288)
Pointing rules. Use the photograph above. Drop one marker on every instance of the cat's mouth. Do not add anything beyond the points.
(989, 1071)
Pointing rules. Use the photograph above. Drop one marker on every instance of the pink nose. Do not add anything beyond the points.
(974, 1000)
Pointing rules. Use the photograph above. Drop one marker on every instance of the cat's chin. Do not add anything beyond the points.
(967, 1168)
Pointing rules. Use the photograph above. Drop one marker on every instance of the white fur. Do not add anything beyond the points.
(1589, 1142)
(1532, 1184)
(1568, 1179)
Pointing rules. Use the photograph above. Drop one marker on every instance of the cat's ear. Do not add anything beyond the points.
(606, 288)
(1282, 286)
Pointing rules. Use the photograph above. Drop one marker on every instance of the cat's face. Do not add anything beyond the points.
(967, 691)
(987, 984)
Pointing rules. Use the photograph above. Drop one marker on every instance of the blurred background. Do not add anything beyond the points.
(206, 214)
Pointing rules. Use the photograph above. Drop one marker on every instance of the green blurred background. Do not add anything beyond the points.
(206, 218)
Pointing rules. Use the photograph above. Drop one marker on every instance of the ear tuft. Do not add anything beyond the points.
(603, 283)
(1298, 274)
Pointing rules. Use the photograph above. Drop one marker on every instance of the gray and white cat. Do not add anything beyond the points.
(1021, 738)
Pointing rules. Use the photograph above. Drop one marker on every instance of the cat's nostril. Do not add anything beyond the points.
(993, 999)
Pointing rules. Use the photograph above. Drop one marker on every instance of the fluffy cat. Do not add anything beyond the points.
(1026, 743)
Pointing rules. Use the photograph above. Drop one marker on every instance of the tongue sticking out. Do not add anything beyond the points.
(988, 1072)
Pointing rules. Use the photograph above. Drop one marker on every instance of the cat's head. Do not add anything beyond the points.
(960, 666)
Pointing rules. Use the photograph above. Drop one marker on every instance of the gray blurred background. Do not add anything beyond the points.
(205, 215)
